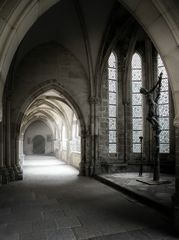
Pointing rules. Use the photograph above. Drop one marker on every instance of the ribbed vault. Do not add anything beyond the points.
(51, 109)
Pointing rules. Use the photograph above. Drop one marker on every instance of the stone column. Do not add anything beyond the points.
(18, 157)
(83, 153)
(176, 195)
(97, 167)
(9, 150)
(89, 164)
(94, 136)
(3, 168)
(19, 151)
(1, 153)
(1, 146)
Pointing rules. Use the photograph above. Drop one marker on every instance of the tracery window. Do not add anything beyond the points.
(164, 109)
(112, 104)
(137, 111)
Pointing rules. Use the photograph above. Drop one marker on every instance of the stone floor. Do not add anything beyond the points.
(161, 194)
(54, 203)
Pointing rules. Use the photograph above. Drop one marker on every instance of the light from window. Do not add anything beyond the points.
(112, 104)
(75, 143)
(64, 138)
(137, 111)
(164, 108)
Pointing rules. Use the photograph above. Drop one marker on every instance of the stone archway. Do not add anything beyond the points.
(22, 15)
(38, 144)
(52, 87)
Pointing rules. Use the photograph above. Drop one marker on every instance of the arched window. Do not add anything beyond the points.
(75, 141)
(137, 111)
(112, 104)
(64, 138)
(164, 109)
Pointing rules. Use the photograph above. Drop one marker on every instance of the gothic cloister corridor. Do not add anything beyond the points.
(53, 202)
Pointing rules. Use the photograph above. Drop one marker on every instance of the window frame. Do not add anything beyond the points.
(114, 105)
(136, 145)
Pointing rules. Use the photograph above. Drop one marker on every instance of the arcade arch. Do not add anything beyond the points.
(49, 121)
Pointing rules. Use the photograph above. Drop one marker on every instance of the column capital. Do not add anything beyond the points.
(94, 100)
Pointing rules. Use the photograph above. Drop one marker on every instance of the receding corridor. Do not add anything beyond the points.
(54, 203)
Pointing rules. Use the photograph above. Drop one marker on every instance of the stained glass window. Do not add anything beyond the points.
(164, 109)
(112, 96)
(137, 112)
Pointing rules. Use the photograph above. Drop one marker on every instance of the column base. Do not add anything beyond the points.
(18, 173)
(4, 175)
(97, 169)
(11, 174)
(87, 170)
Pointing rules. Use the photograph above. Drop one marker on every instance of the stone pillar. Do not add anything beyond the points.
(97, 167)
(9, 150)
(83, 153)
(90, 165)
(1, 151)
(176, 195)
(94, 164)
(1, 146)
(3, 169)
(18, 151)
(87, 146)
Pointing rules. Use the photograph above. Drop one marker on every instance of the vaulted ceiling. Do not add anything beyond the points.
(81, 27)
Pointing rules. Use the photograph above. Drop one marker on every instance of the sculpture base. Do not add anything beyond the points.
(152, 182)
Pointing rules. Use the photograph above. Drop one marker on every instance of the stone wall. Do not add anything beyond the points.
(124, 159)
(38, 128)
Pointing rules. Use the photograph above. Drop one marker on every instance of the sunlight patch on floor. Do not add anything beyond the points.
(47, 165)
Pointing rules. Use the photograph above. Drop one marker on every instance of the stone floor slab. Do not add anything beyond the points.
(62, 234)
(67, 222)
(54, 203)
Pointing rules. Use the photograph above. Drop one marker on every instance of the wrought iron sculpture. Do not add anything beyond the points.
(152, 97)
(141, 159)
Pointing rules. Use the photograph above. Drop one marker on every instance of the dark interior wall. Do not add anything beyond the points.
(34, 145)
(71, 24)
(45, 63)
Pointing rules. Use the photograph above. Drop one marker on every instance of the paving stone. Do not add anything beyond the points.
(118, 236)
(3, 229)
(43, 225)
(70, 207)
(62, 234)
(19, 227)
(67, 222)
(159, 193)
(139, 235)
(53, 214)
(33, 236)
(9, 236)
(87, 232)
(5, 211)
(160, 233)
